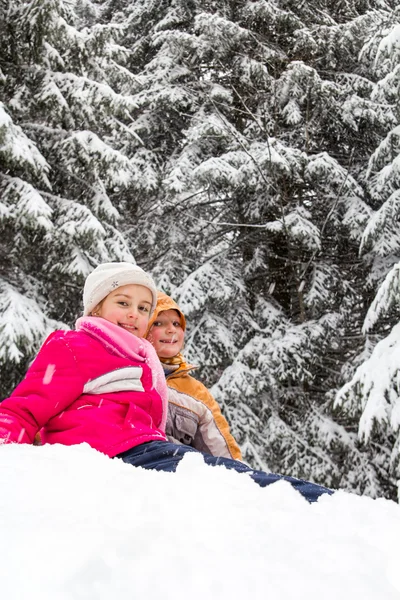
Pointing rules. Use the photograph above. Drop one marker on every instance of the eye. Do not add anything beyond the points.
(144, 309)
(157, 324)
(122, 303)
(176, 324)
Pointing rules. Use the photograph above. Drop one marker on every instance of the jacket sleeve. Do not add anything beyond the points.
(51, 384)
(223, 444)
(190, 402)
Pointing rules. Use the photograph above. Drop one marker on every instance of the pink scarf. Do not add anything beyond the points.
(126, 345)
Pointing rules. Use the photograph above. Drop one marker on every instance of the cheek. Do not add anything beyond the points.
(181, 338)
(151, 337)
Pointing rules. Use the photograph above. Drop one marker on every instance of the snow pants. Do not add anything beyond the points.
(165, 456)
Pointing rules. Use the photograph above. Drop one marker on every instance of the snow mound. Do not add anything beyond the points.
(76, 525)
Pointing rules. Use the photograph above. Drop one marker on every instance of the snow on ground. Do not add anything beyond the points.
(76, 525)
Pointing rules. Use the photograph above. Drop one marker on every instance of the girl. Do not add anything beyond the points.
(103, 384)
(194, 417)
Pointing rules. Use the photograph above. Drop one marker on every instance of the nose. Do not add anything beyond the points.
(171, 328)
(133, 312)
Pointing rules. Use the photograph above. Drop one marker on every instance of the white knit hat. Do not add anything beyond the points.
(108, 277)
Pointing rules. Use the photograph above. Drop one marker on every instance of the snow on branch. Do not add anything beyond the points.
(385, 153)
(290, 351)
(75, 262)
(57, 18)
(164, 95)
(222, 32)
(252, 71)
(26, 205)
(209, 281)
(181, 170)
(208, 126)
(84, 151)
(326, 170)
(325, 279)
(356, 111)
(271, 13)
(176, 43)
(23, 324)
(52, 57)
(387, 296)
(85, 94)
(299, 226)
(116, 246)
(355, 218)
(101, 204)
(216, 170)
(389, 48)
(375, 388)
(382, 232)
(76, 221)
(274, 154)
(17, 149)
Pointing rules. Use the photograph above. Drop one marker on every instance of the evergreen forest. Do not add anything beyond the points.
(247, 154)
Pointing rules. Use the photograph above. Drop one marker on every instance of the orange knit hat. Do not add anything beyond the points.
(165, 302)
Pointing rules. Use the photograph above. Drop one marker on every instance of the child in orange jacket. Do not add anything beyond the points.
(194, 417)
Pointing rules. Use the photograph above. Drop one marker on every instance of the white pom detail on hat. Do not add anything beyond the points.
(109, 276)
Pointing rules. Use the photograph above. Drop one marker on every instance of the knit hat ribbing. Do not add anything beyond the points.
(108, 277)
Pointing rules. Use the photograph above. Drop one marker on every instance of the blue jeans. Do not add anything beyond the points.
(165, 456)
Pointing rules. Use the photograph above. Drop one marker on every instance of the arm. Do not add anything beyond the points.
(222, 443)
(51, 384)
(191, 404)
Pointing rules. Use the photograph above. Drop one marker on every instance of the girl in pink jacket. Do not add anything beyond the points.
(103, 384)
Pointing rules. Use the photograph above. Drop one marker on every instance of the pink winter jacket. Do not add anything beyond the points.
(99, 384)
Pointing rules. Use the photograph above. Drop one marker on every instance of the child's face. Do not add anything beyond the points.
(166, 334)
(129, 307)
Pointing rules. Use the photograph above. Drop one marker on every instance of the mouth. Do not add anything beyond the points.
(168, 341)
(131, 328)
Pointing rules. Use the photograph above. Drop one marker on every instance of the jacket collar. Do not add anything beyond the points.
(124, 344)
(117, 340)
(182, 369)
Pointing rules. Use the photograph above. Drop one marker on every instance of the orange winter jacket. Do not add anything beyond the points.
(194, 417)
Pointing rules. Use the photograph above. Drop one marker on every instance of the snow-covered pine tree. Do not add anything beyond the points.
(168, 58)
(372, 395)
(233, 138)
(62, 165)
(260, 127)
